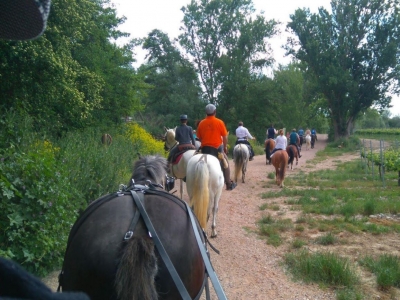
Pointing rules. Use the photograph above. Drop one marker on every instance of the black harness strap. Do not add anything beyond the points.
(174, 274)
(210, 270)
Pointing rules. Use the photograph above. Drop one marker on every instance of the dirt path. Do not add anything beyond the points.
(247, 267)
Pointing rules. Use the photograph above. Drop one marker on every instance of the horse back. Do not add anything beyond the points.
(93, 253)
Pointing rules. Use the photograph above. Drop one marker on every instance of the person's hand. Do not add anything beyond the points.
(226, 149)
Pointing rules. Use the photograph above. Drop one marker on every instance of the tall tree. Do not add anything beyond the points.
(353, 54)
(226, 42)
(175, 85)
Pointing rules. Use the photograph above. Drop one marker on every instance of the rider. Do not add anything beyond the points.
(242, 134)
(314, 132)
(281, 142)
(301, 135)
(184, 136)
(271, 132)
(210, 131)
(294, 140)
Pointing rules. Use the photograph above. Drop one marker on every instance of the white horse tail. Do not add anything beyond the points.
(201, 196)
(238, 159)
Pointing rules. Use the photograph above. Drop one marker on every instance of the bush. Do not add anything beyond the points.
(37, 207)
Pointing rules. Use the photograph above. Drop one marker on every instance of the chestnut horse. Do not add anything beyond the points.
(269, 145)
(293, 153)
(280, 162)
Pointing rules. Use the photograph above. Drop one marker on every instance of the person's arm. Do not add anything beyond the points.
(225, 142)
(249, 135)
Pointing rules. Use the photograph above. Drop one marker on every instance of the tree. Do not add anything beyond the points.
(353, 54)
(175, 85)
(226, 43)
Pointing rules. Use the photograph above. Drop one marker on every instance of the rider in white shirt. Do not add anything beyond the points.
(243, 135)
(281, 142)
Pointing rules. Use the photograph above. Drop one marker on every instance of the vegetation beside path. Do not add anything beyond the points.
(337, 226)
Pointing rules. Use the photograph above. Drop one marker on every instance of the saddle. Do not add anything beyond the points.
(181, 150)
(214, 151)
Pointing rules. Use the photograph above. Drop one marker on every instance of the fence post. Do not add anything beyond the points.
(372, 161)
(381, 145)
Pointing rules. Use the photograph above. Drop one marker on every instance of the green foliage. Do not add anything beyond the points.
(38, 206)
(328, 239)
(376, 131)
(386, 268)
(325, 268)
(352, 53)
(143, 142)
(96, 169)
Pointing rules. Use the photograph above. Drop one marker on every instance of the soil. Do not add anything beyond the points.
(248, 268)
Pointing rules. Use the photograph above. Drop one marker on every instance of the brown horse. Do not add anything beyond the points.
(293, 153)
(280, 162)
(269, 145)
(106, 139)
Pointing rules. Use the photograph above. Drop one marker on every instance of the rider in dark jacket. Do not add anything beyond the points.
(294, 138)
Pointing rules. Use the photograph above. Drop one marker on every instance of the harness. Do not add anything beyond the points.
(137, 191)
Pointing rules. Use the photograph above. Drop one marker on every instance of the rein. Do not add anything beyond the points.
(137, 192)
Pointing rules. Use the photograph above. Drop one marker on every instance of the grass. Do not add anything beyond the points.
(332, 202)
(386, 268)
(326, 268)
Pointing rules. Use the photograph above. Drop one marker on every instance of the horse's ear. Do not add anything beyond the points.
(166, 129)
(175, 128)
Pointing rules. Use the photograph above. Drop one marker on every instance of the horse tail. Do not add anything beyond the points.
(201, 197)
(268, 149)
(291, 155)
(135, 278)
(239, 161)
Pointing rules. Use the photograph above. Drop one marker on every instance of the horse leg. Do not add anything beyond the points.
(216, 198)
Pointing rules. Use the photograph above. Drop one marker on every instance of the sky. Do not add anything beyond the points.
(145, 15)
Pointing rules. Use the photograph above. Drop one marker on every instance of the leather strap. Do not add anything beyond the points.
(161, 250)
(210, 270)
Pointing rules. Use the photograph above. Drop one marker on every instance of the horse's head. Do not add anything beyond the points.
(150, 167)
(169, 138)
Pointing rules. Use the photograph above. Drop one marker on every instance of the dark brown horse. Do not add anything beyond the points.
(106, 139)
(293, 154)
(280, 162)
(110, 254)
(269, 145)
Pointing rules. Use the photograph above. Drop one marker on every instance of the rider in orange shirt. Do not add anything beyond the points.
(210, 132)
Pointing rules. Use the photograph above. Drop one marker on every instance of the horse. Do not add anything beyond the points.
(111, 255)
(178, 169)
(269, 145)
(241, 155)
(292, 153)
(308, 141)
(106, 139)
(205, 181)
(280, 162)
(313, 139)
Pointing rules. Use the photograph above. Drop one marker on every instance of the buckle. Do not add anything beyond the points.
(128, 235)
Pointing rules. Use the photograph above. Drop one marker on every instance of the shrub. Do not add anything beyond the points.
(143, 142)
(36, 211)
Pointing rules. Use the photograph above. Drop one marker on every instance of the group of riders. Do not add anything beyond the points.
(213, 135)
(296, 139)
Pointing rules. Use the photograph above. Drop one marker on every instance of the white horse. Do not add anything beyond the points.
(308, 141)
(205, 181)
(177, 170)
(241, 156)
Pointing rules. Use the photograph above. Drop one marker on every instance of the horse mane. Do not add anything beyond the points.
(150, 167)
